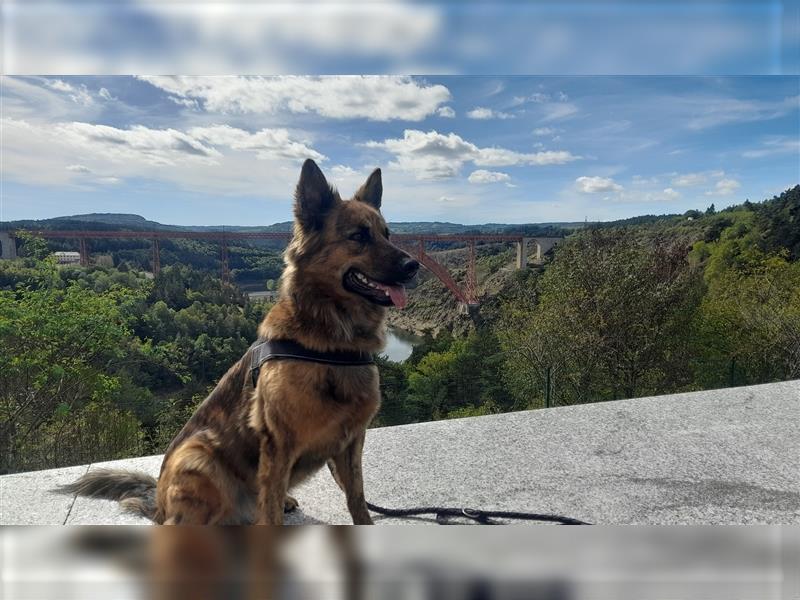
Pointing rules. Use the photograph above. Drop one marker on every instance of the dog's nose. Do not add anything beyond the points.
(410, 267)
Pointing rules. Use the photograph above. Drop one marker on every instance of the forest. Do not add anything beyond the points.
(107, 362)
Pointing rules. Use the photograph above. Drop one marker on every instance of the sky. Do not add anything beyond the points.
(467, 149)
(207, 37)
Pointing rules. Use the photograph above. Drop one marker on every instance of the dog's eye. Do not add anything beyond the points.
(361, 236)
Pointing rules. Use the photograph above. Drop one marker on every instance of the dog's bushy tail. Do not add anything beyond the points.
(136, 492)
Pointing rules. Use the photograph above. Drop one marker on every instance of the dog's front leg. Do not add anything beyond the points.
(346, 470)
(274, 470)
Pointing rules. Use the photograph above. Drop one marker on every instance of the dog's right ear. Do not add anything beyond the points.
(313, 197)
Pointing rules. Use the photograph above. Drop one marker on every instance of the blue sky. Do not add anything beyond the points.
(733, 37)
(469, 149)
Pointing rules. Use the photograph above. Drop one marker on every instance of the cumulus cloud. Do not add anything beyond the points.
(447, 112)
(483, 113)
(724, 187)
(79, 94)
(266, 143)
(593, 185)
(216, 159)
(152, 146)
(484, 176)
(671, 194)
(377, 98)
(105, 94)
(433, 155)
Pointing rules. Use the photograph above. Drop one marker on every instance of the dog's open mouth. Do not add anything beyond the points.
(385, 294)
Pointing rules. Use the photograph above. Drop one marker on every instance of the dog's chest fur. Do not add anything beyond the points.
(322, 408)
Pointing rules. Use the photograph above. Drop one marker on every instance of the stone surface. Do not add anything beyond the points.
(29, 499)
(723, 456)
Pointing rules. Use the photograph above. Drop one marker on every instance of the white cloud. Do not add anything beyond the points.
(139, 143)
(447, 112)
(542, 131)
(432, 155)
(484, 176)
(266, 143)
(187, 102)
(84, 170)
(712, 112)
(671, 194)
(555, 112)
(724, 187)
(219, 160)
(593, 185)
(377, 98)
(343, 171)
(79, 95)
(775, 145)
(695, 179)
(105, 94)
(483, 113)
(538, 98)
(500, 157)
(638, 180)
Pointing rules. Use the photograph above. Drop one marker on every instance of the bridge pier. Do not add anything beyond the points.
(8, 246)
(522, 253)
(156, 258)
(83, 250)
(225, 269)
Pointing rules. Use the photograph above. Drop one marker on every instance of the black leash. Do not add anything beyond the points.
(484, 517)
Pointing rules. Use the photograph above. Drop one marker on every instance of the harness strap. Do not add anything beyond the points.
(264, 350)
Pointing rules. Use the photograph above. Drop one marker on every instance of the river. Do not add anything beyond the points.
(399, 344)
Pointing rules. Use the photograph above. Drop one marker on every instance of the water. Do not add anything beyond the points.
(399, 344)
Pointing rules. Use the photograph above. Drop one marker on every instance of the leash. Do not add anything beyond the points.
(483, 517)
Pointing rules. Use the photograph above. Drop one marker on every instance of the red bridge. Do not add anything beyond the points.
(415, 244)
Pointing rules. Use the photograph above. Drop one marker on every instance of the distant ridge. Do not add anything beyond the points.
(125, 221)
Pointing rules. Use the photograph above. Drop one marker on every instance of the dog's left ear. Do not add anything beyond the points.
(372, 190)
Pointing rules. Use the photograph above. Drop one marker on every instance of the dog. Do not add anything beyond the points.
(256, 437)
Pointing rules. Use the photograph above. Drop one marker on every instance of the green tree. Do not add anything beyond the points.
(609, 318)
(60, 351)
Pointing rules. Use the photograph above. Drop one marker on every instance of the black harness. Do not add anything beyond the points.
(264, 350)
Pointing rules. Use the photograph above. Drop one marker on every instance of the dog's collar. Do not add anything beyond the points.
(264, 350)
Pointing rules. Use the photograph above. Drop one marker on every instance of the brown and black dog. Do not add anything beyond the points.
(246, 446)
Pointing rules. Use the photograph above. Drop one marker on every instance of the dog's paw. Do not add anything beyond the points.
(290, 504)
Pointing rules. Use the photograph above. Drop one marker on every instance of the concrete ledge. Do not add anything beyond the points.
(723, 456)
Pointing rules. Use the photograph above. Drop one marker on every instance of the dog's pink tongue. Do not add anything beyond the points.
(398, 295)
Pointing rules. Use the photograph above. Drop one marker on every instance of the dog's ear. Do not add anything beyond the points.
(372, 190)
(313, 197)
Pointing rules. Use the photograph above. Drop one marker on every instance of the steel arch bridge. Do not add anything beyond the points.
(414, 243)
